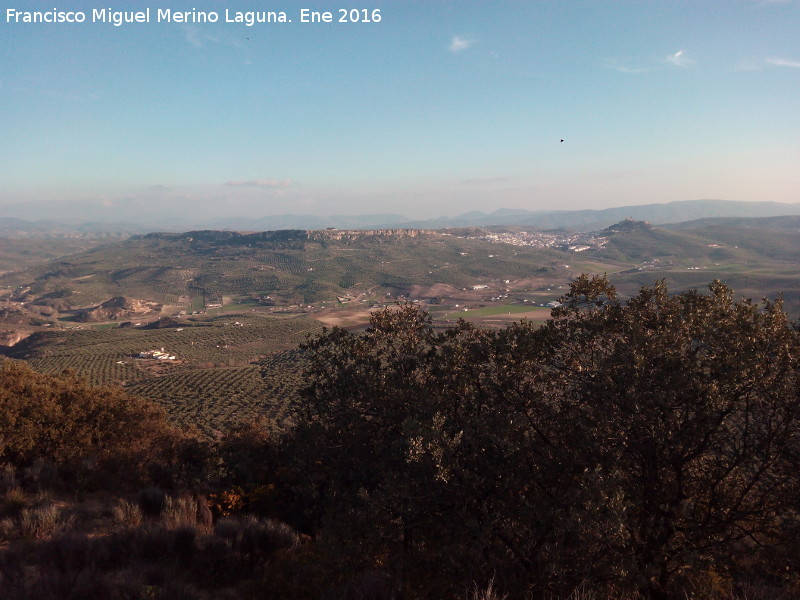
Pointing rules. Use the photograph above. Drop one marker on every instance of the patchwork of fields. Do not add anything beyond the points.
(239, 305)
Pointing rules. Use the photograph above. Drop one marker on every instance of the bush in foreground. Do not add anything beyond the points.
(649, 448)
(59, 430)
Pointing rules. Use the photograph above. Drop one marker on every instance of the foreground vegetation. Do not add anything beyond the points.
(646, 449)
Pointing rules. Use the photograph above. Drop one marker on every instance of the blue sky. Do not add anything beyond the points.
(440, 108)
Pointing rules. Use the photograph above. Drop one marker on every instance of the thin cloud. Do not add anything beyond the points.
(782, 62)
(197, 37)
(679, 59)
(459, 44)
(262, 183)
(200, 38)
(623, 68)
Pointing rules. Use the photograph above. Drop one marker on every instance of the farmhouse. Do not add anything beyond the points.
(156, 355)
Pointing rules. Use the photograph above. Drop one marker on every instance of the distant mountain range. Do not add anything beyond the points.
(578, 220)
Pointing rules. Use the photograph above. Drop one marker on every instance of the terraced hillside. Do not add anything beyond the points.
(214, 399)
(226, 369)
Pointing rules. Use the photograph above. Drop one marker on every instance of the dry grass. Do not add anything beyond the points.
(487, 593)
(187, 511)
(127, 514)
(43, 521)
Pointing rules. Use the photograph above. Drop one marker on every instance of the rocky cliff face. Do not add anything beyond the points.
(11, 338)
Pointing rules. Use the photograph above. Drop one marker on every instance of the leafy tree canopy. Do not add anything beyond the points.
(636, 445)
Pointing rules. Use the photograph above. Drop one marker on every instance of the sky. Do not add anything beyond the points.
(440, 108)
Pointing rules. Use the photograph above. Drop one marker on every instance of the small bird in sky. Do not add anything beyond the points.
(562, 141)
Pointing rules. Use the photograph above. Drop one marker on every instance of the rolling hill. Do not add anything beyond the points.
(292, 267)
(261, 294)
(194, 270)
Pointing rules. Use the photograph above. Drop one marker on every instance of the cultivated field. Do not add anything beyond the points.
(239, 305)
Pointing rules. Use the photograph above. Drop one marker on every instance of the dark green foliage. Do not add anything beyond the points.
(64, 567)
(643, 447)
(375, 400)
(247, 454)
(256, 540)
(98, 438)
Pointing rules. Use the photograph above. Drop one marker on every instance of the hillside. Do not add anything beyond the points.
(788, 222)
(470, 440)
(21, 252)
(756, 261)
(224, 370)
(278, 270)
(660, 214)
(232, 307)
(292, 267)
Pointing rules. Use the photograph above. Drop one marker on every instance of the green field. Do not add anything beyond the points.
(490, 311)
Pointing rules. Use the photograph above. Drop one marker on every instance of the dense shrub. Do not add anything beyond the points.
(649, 448)
(43, 521)
(59, 428)
(151, 501)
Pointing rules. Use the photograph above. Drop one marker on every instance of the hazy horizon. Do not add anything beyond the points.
(439, 109)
